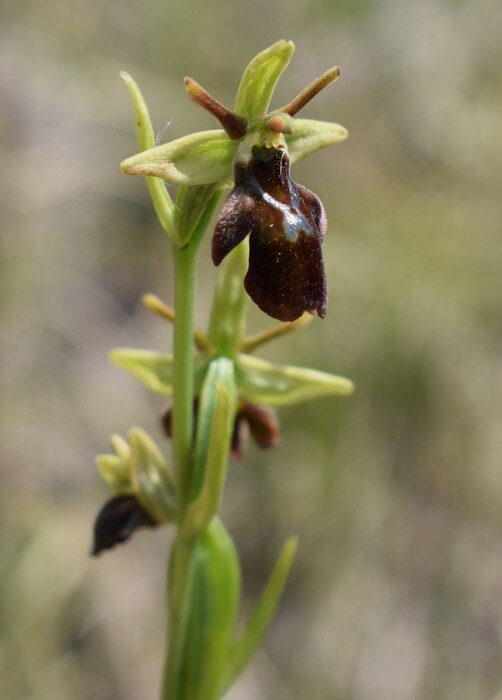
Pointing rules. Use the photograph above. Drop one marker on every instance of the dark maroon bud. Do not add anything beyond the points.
(117, 521)
(239, 438)
(261, 422)
(263, 425)
(286, 223)
(166, 420)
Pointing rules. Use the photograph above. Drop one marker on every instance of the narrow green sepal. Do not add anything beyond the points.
(198, 159)
(244, 648)
(120, 446)
(152, 483)
(153, 369)
(116, 468)
(259, 80)
(262, 382)
(310, 135)
(162, 202)
(116, 472)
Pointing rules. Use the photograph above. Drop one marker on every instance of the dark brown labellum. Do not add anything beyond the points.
(286, 224)
(116, 522)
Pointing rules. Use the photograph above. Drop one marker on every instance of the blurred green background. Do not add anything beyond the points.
(396, 493)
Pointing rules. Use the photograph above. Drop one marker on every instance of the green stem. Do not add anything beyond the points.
(185, 265)
(185, 268)
(178, 576)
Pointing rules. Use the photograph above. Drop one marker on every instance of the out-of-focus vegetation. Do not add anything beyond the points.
(396, 492)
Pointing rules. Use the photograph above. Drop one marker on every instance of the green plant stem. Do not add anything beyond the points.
(185, 267)
(185, 264)
(178, 569)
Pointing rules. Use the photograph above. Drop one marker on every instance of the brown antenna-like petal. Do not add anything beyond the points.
(234, 125)
(311, 91)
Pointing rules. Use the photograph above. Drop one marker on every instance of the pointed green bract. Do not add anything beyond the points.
(198, 159)
(245, 647)
(146, 139)
(260, 79)
(280, 385)
(206, 505)
(215, 404)
(209, 606)
(144, 128)
(310, 135)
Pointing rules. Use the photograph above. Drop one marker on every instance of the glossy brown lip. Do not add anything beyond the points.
(117, 521)
(286, 224)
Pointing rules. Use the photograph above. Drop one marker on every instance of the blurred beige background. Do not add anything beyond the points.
(396, 493)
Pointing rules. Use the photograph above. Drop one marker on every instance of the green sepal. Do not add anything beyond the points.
(281, 385)
(209, 606)
(152, 483)
(246, 645)
(310, 135)
(162, 202)
(197, 159)
(120, 446)
(116, 472)
(153, 369)
(259, 80)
